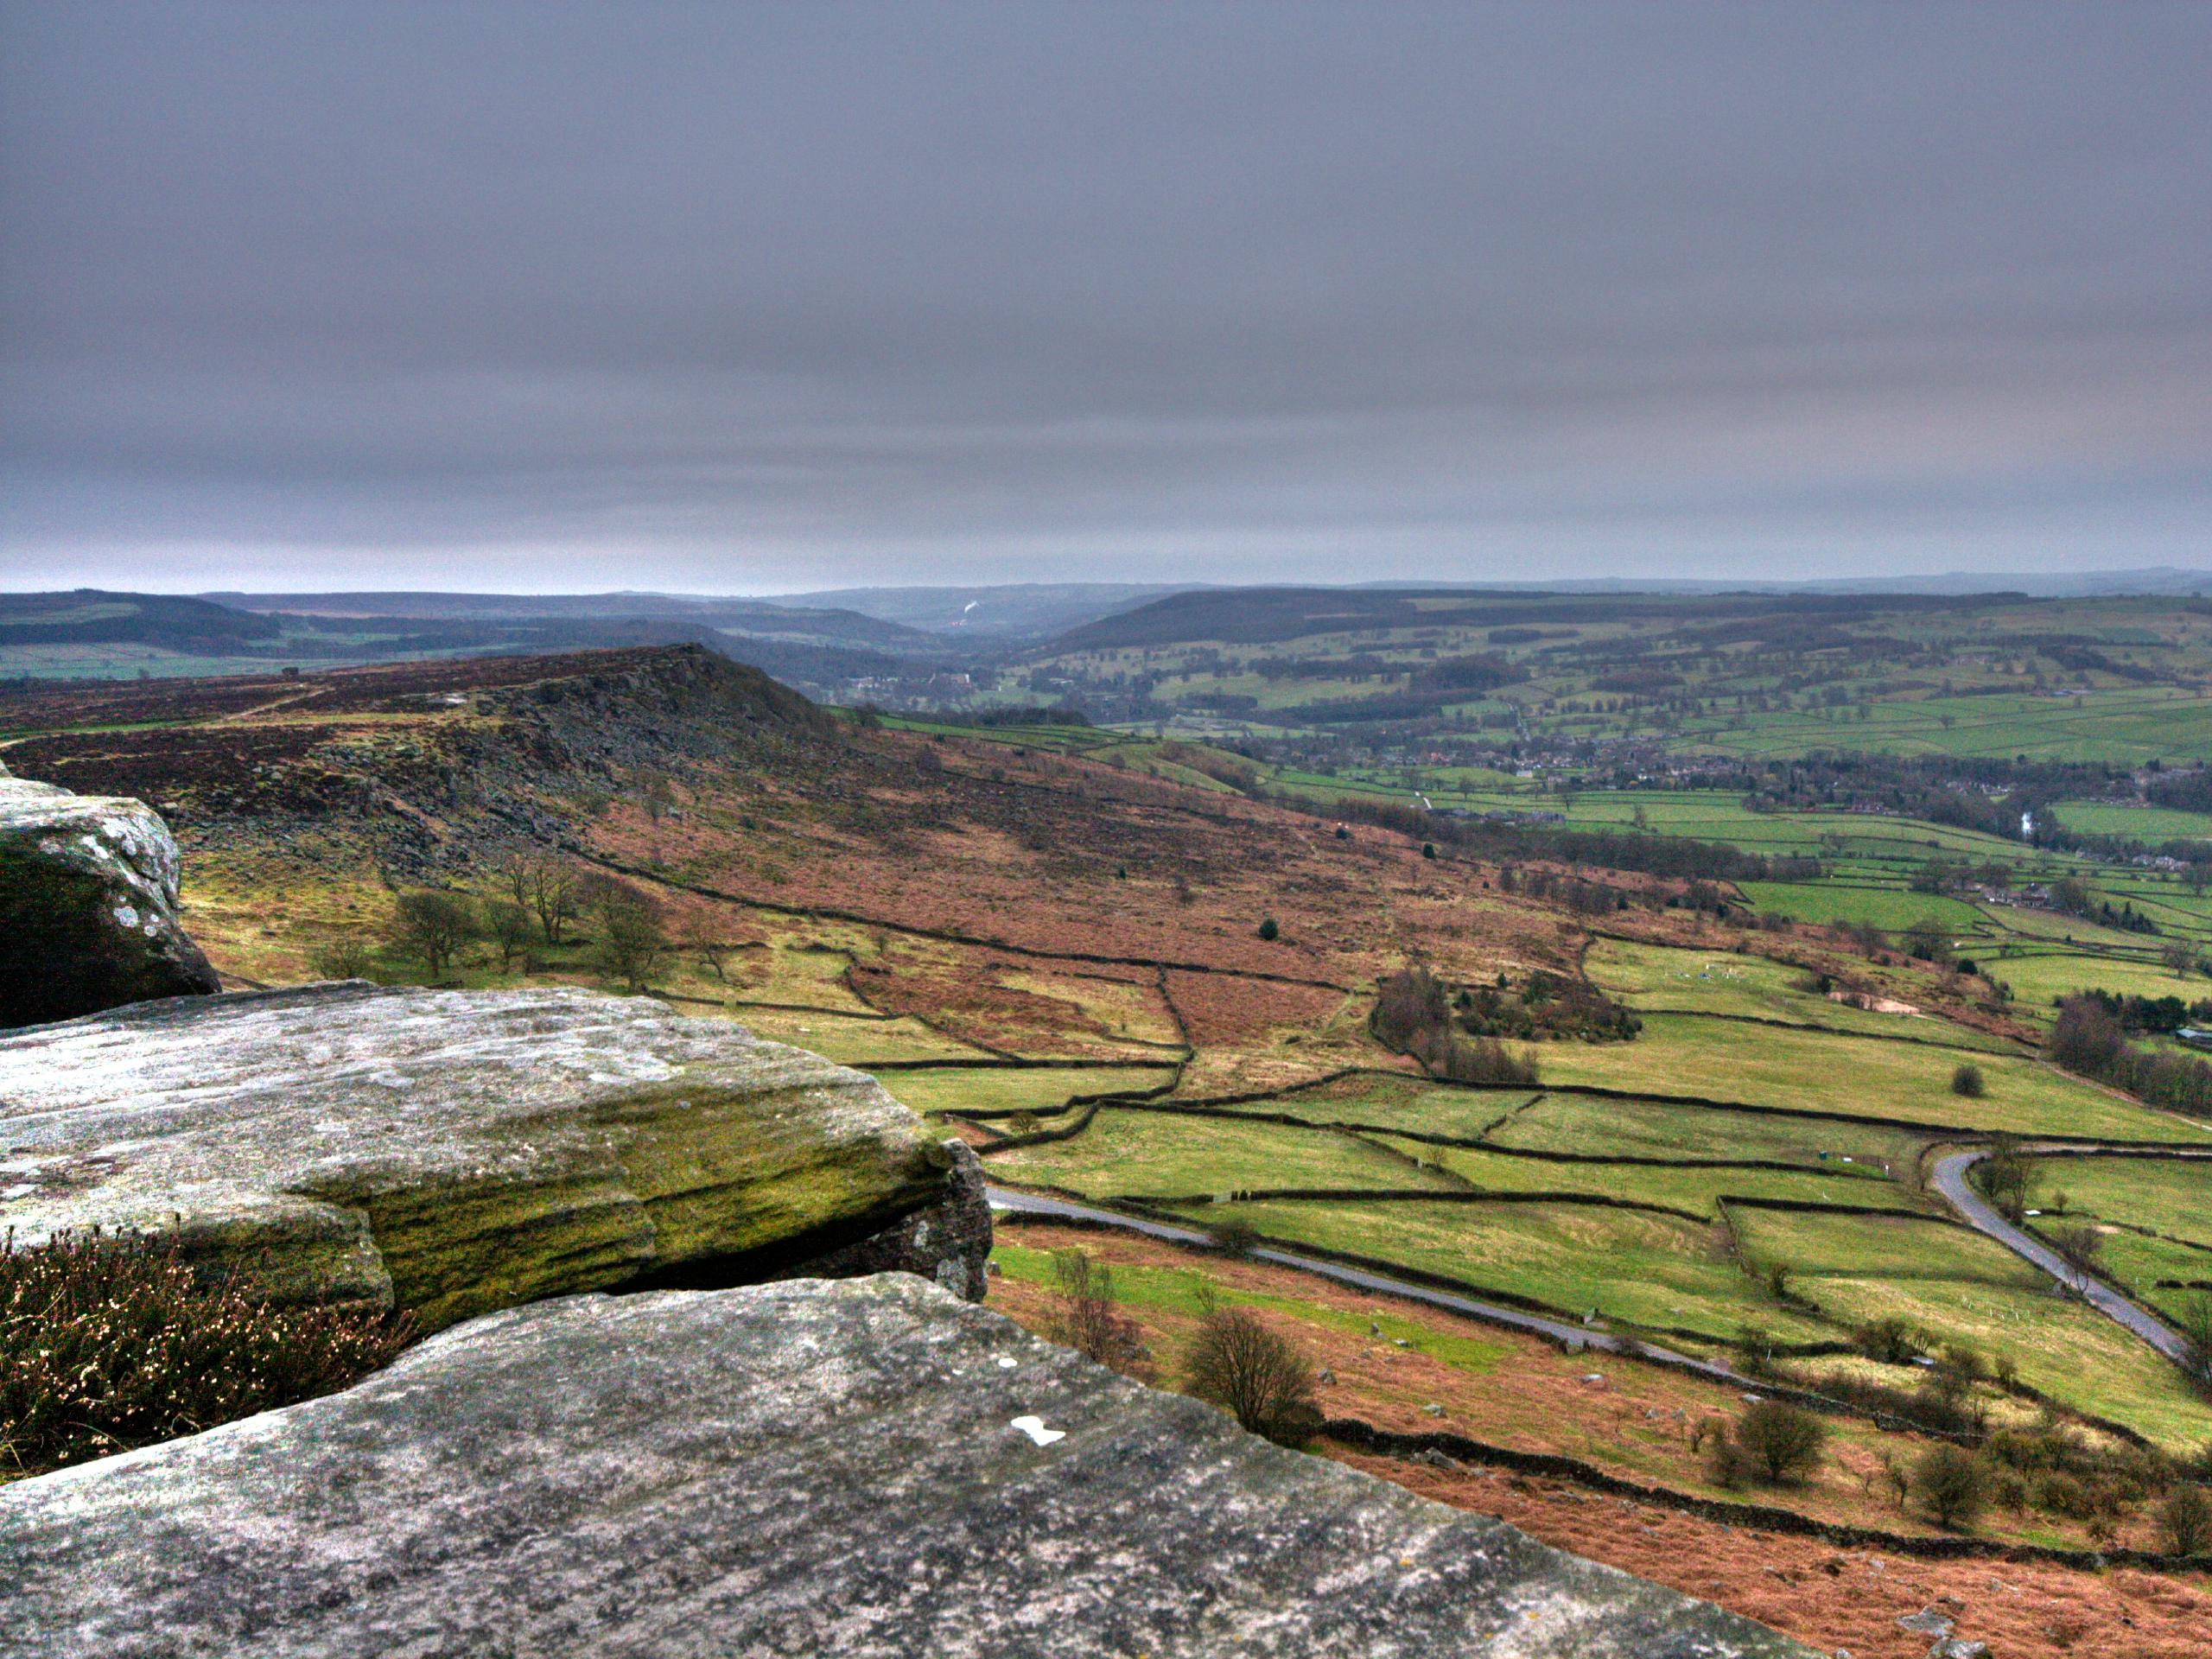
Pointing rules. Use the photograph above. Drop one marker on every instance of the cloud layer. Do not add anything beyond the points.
(737, 298)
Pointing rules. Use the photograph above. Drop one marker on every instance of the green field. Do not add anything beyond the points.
(1697, 1190)
(1946, 1279)
(1170, 1155)
(1661, 979)
(1806, 1071)
(2146, 824)
(1641, 1128)
(1633, 1266)
(2155, 1216)
(1891, 909)
(2040, 980)
(1010, 1088)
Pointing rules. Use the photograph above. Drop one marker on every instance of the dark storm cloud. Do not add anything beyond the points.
(733, 297)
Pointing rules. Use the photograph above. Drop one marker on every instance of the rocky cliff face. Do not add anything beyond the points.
(88, 894)
(452, 1152)
(866, 1468)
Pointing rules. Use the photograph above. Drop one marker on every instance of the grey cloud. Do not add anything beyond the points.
(742, 297)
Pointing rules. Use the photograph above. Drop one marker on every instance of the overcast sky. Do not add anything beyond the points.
(746, 297)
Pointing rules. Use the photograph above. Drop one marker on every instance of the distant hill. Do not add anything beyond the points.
(1014, 612)
(774, 620)
(93, 616)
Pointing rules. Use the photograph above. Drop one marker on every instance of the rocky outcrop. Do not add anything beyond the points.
(948, 1243)
(450, 1153)
(88, 897)
(865, 1468)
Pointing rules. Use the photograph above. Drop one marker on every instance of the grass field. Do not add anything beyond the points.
(1952, 1281)
(2146, 823)
(1406, 1104)
(1027, 1089)
(2155, 1216)
(1167, 1154)
(1633, 1266)
(1698, 1190)
(2040, 979)
(1891, 909)
(1806, 1071)
(852, 1041)
(1634, 1128)
(1663, 979)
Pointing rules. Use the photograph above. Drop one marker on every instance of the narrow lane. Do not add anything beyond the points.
(1950, 1176)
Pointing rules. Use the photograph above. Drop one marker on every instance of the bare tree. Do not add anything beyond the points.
(1784, 1442)
(712, 948)
(2081, 1248)
(1953, 1482)
(346, 957)
(1257, 1376)
(1087, 1319)
(544, 887)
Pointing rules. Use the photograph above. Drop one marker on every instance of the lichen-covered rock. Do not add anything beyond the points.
(453, 1152)
(88, 895)
(866, 1468)
(949, 1244)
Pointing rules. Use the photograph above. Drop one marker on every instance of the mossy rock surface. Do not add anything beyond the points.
(88, 894)
(451, 1152)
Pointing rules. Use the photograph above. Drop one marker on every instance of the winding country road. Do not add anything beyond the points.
(1950, 1179)
(1036, 1203)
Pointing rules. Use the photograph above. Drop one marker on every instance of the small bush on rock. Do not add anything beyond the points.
(109, 1343)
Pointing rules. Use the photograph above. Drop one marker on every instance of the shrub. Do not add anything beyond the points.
(1732, 1466)
(2185, 1522)
(346, 958)
(1784, 1443)
(1087, 1319)
(1967, 1081)
(1952, 1483)
(433, 926)
(1891, 1339)
(1257, 1376)
(107, 1343)
(1236, 1239)
(1269, 929)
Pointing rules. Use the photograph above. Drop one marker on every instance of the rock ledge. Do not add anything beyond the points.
(812, 1467)
(452, 1152)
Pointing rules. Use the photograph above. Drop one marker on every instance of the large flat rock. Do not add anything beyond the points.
(811, 1467)
(88, 896)
(453, 1152)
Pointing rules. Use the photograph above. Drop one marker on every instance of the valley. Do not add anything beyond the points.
(1141, 970)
